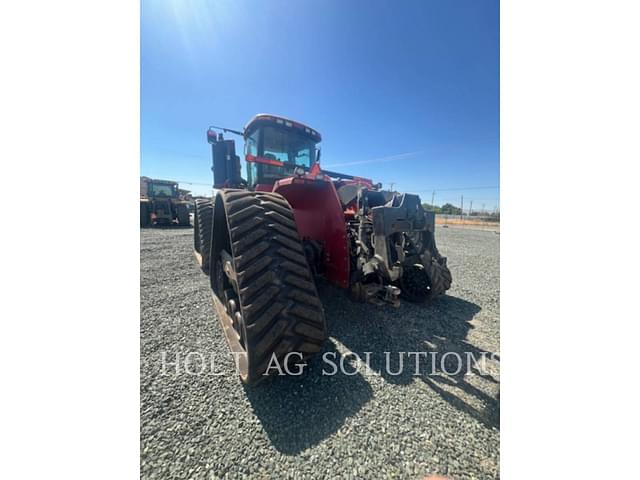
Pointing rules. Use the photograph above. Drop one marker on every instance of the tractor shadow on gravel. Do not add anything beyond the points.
(298, 412)
(463, 380)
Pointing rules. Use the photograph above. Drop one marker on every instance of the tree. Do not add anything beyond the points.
(431, 208)
(450, 209)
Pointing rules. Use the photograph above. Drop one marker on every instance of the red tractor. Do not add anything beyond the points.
(263, 241)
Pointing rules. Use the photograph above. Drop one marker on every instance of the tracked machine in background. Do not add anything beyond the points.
(263, 241)
(160, 203)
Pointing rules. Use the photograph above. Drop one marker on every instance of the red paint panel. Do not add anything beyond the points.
(319, 216)
(264, 187)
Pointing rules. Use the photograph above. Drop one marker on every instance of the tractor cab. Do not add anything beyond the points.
(275, 148)
(159, 188)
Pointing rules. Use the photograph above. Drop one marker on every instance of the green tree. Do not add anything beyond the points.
(450, 209)
(431, 208)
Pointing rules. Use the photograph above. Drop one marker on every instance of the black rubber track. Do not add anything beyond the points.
(278, 298)
(202, 221)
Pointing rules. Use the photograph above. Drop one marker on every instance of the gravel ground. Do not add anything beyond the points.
(364, 425)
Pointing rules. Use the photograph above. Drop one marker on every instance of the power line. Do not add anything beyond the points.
(194, 183)
(452, 199)
(457, 188)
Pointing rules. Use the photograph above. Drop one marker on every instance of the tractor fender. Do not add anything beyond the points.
(320, 217)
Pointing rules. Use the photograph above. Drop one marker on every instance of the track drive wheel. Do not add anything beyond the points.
(262, 278)
(202, 222)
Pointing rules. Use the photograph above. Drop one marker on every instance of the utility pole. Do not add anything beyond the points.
(461, 206)
(470, 207)
(433, 196)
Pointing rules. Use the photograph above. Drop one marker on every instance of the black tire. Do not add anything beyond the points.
(280, 311)
(424, 282)
(202, 228)
(439, 278)
(144, 214)
(183, 215)
(414, 284)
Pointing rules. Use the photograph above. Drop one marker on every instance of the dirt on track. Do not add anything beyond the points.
(363, 425)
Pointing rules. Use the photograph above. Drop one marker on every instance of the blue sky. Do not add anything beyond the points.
(404, 92)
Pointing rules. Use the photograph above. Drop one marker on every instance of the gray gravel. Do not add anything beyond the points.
(315, 426)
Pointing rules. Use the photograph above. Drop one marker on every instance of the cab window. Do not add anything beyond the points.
(287, 146)
(251, 148)
(303, 157)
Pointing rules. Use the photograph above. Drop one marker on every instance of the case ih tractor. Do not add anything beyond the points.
(263, 241)
(160, 203)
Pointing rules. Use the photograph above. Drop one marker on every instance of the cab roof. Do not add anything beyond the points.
(162, 182)
(286, 122)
